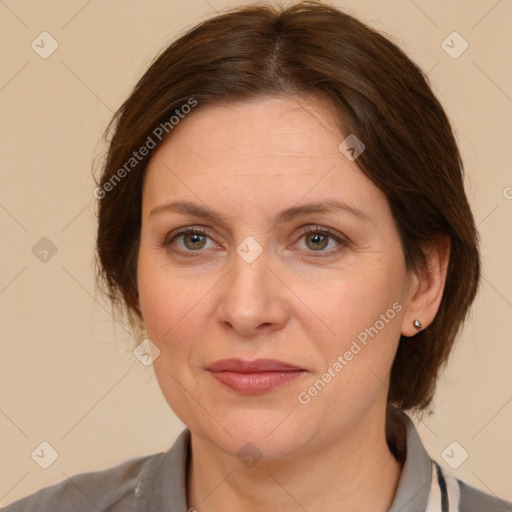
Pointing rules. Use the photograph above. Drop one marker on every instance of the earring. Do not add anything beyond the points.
(417, 324)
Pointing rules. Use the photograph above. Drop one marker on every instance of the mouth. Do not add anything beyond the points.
(254, 377)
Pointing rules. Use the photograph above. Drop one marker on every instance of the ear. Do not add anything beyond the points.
(426, 287)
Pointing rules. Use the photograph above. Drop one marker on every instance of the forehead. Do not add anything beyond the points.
(269, 128)
(256, 154)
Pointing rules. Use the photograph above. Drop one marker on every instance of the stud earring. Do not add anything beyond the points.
(417, 324)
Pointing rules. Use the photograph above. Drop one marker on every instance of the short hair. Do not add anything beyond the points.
(382, 97)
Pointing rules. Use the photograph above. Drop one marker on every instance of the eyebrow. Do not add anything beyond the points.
(286, 215)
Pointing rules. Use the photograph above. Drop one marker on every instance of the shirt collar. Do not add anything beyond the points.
(414, 485)
(162, 482)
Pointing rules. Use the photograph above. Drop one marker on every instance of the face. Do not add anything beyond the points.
(245, 268)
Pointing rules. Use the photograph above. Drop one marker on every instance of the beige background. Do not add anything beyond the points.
(68, 376)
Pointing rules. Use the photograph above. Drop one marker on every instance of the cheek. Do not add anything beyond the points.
(170, 307)
(174, 307)
(160, 300)
(355, 301)
(364, 313)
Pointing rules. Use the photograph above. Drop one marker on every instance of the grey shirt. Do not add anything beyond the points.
(157, 483)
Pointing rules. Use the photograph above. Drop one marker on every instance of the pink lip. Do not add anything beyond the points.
(256, 366)
(253, 377)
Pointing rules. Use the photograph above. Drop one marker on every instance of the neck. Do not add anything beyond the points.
(357, 472)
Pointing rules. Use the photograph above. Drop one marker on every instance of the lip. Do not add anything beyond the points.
(254, 377)
(256, 366)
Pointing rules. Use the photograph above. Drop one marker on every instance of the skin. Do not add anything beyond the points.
(249, 160)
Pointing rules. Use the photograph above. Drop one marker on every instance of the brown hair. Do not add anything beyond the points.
(383, 98)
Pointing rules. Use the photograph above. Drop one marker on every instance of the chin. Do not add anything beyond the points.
(270, 434)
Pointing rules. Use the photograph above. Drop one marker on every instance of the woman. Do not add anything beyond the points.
(282, 213)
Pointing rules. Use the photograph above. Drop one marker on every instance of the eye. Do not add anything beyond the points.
(192, 240)
(317, 238)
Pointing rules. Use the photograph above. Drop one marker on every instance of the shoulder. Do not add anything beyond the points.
(445, 491)
(475, 500)
(111, 489)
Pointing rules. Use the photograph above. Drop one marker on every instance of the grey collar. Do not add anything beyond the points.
(414, 485)
(162, 481)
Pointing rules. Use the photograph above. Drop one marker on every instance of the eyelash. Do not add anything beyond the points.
(167, 242)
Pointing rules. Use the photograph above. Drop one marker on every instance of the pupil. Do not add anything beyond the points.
(318, 240)
(194, 240)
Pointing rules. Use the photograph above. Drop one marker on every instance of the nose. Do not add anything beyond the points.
(254, 298)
